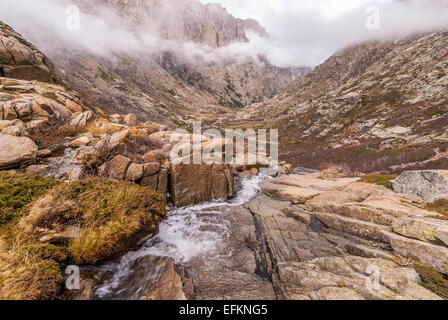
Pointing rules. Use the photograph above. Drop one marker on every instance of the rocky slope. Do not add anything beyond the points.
(169, 86)
(374, 107)
(20, 59)
(47, 131)
(180, 20)
(184, 20)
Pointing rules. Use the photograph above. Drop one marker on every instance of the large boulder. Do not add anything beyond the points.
(426, 184)
(194, 184)
(155, 175)
(117, 168)
(20, 59)
(15, 151)
(80, 119)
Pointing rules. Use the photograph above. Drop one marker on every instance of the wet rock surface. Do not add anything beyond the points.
(160, 283)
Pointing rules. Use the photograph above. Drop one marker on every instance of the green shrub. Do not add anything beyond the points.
(379, 179)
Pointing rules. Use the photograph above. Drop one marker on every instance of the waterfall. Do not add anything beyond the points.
(186, 233)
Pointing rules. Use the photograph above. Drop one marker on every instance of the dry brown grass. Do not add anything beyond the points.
(137, 146)
(28, 272)
(112, 215)
(52, 133)
(433, 280)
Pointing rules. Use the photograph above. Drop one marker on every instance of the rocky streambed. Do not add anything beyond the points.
(292, 237)
(205, 251)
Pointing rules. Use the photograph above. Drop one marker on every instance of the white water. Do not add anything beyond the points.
(61, 165)
(187, 233)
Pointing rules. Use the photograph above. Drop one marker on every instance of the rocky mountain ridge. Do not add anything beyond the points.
(20, 59)
(179, 20)
(378, 106)
(169, 86)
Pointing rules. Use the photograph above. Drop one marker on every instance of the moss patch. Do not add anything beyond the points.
(379, 179)
(440, 206)
(19, 190)
(433, 280)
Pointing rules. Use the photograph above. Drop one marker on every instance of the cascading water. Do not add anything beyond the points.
(187, 233)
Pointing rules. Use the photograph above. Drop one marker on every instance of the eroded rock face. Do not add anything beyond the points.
(16, 151)
(117, 168)
(321, 279)
(194, 184)
(33, 103)
(426, 184)
(183, 20)
(152, 278)
(272, 248)
(80, 119)
(21, 60)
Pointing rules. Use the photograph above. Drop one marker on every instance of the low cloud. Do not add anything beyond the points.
(301, 35)
(309, 37)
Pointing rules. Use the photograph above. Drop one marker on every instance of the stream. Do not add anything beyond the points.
(187, 233)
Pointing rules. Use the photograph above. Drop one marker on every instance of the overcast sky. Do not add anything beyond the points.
(306, 32)
(264, 10)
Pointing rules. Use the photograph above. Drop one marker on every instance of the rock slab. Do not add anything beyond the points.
(426, 184)
(15, 151)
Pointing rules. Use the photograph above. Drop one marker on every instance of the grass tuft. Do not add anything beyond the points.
(112, 216)
(379, 179)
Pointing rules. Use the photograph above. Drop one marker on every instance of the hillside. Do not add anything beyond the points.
(374, 107)
(21, 59)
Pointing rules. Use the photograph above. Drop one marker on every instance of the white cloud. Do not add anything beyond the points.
(303, 32)
(306, 32)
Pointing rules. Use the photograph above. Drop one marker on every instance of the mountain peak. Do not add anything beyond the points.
(180, 20)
